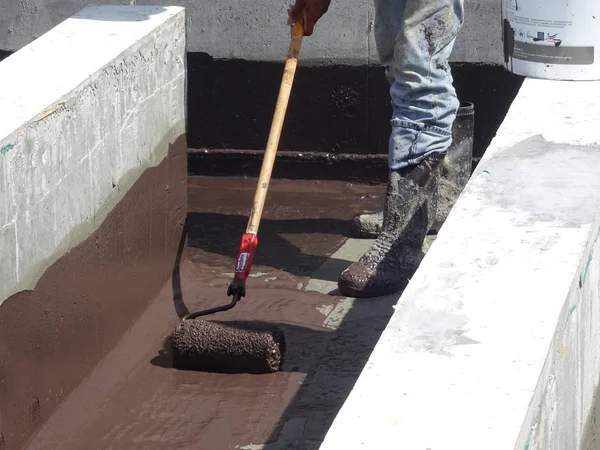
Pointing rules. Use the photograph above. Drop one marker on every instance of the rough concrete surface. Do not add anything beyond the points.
(460, 362)
(563, 411)
(84, 110)
(258, 31)
(564, 406)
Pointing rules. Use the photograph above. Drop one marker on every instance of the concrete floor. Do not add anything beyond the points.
(135, 399)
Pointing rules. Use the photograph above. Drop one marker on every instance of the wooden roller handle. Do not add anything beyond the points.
(276, 126)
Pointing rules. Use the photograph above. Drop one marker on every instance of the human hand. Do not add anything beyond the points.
(310, 10)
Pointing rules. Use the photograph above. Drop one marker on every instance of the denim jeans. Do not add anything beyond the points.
(414, 40)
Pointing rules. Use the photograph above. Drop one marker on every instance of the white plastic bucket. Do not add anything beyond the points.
(552, 39)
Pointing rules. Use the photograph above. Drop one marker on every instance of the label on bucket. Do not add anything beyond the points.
(551, 31)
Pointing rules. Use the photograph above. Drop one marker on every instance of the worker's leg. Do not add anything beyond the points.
(414, 40)
(389, 16)
(423, 97)
(414, 47)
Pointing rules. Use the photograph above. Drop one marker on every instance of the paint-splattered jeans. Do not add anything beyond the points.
(414, 40)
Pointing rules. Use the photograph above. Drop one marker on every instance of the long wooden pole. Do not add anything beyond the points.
(276, 127)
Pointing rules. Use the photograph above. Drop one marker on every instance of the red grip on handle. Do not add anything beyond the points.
(243, 263)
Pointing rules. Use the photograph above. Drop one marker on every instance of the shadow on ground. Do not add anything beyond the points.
(297, 246)
(331, 359)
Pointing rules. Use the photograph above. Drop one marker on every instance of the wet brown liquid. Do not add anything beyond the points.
(51, 337)
(134, 399)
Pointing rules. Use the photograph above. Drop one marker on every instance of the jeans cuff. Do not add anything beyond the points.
(411, 142)
(423, 127)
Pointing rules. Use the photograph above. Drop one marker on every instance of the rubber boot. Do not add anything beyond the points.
(455, 175)
(458, 163)
(410, 211)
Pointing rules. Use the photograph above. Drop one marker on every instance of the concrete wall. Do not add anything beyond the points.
(84, 111)
(93, 197)
(258, 31)
(564, 408)
(494, 343)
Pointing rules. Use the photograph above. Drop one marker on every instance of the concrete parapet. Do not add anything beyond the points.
(494, 342)
(84, 111)
(92, 195)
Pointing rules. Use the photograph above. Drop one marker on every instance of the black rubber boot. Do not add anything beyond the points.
(458, 163)
(454, 177)
(410, 211)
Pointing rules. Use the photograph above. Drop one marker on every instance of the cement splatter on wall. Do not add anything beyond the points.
(6, 148)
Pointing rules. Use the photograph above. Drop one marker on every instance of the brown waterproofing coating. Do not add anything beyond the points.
(134, 398)
(51, 337)
(227, 346)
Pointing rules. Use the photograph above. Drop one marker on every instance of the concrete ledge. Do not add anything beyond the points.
(92, 197)
(494, 342)
(562, 413)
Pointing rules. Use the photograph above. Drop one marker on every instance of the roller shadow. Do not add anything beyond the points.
(295, 338)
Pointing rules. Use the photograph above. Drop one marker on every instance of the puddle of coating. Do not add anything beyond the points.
(134, 399)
